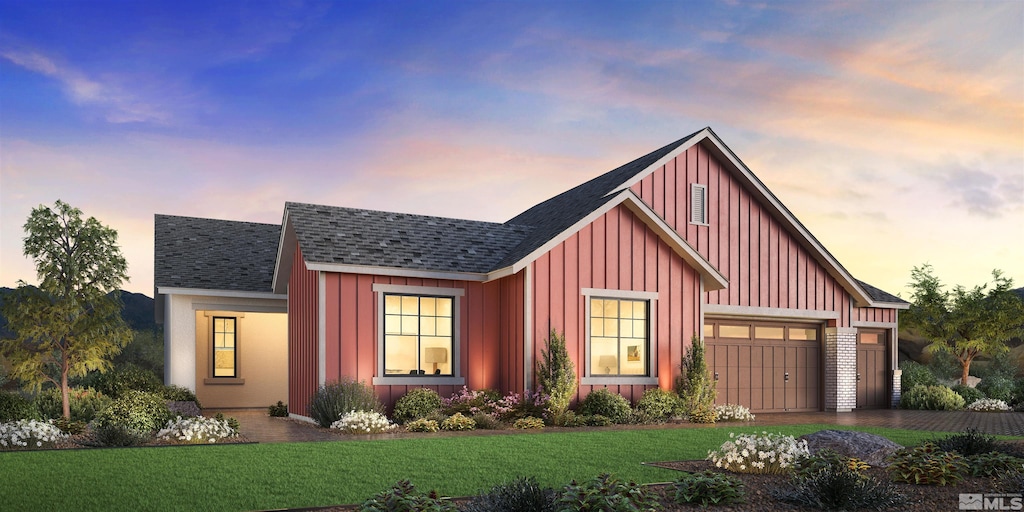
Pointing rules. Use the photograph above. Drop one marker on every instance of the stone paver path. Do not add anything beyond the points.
(257, 426)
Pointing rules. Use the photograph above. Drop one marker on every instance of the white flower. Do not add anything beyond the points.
(22, 433)
(363, 422)
(198, 429)
(988, 405)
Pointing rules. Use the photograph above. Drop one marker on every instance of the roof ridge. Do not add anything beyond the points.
(385, 212)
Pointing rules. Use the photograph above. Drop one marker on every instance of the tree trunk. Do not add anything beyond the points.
(967, 369)
(64, 392)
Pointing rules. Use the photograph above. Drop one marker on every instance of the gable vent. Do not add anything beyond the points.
(698, 204)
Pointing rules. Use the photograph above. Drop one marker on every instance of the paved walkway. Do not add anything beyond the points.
(257, 426)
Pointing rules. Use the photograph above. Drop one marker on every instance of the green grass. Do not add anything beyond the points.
(290, 475)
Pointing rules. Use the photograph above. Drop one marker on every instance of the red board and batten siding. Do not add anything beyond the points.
(874, 315)
(765, 265)
(616, 252)
(302, 336)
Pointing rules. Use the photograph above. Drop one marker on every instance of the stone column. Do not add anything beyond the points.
(840, 369)
(897, 387)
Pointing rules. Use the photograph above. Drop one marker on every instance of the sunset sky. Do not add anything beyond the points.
(893, 130)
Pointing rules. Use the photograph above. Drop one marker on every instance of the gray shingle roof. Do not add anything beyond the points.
(880, 295)
(212, 254)
(350, 236)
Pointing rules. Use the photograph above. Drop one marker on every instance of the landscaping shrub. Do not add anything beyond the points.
(989, 405)
(487, 422)
(339, 397)
(997, 387)
(278, 410)
(967, 443)
(1012, 482)
(528, 423)
(469, 402)
(556, 375)
(363, 422)
(993, 464)
(232, 422)
(733, 412)
(15, 407)
(707, 488)
(932, 398)
(196, 430)
(422, 425)
(834, 485)
(759, 453)
(596, 420)
(417, 403)
(606, 403)
(969, 394)
(85, 403)
(1000, 365)
(658, 403)
(945, 366)
(127, 378)
(403, 497)
(180, 394)
(458, 422)
(927, 465)
(29, 434)
(519, 495)
(827, 457)
(184, 409)
(131, 419)
(696, 390)
(607, 494)
(915, 374)
(638, 417)
(69, 426)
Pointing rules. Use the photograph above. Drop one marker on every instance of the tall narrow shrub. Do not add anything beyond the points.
(696, 389)
(557, 375)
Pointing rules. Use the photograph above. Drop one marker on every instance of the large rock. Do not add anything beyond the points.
(869, 448)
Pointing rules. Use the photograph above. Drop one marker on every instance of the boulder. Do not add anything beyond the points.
(869, 448)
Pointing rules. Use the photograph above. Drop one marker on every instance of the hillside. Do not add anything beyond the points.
(138, 311)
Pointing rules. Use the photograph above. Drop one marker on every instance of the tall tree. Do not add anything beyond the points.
(556, 375)
(71, 323)
(965, 322)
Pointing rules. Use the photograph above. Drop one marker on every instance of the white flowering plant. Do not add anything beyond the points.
(989, 405)
(363, 422)
(759, 453)
(29, 434)
(196, 430)
(733, 412)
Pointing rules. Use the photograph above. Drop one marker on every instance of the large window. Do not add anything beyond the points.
(225, 337)
(418, 335)
(619, 337)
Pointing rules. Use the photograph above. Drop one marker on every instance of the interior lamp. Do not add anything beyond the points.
(435, 355)
(607, 362)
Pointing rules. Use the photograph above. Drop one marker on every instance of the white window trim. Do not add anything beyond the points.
(652, 343)
(456, 379)
(697, 188)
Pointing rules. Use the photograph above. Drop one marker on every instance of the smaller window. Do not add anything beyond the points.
(870, 338)
(709, 330)
(769, 333)
(225, 337)
(803, 334)
(698, 204)
(734, 331)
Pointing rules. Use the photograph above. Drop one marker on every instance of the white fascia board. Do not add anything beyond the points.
(697, 137)
(397, 272)
(500, 273)
(715, 280)
(234, 294)
(889, 305)
(285, 255)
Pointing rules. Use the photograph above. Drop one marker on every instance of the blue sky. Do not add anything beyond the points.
(894, 131)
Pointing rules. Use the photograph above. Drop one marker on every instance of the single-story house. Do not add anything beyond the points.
(630, 265)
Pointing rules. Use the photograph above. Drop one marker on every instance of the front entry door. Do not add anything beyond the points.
(872, 369)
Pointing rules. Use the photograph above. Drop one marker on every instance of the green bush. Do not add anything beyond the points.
(607, 494)
(836, 486)
(131, 419)
(967, 443)
(487, 422)
(932, 398)
(605, 403)
(969, 394)
(15, 407)
(422, 425)
(556, 375)
(658, 403)
(179, 394)
(278, 410)
(1000, 365)
(944, 365)
(915, 374)
(127, 378)
(339, 397)
(85, 403)
(927, 465)
(707, 488)
(417, 403)
(993, 464)
(519, 495)
(403, 497)
(696, 390)
(596, 420)
(997, 387)
(458, 422)
(528, 423)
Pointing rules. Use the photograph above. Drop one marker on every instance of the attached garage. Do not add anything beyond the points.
(766, 366)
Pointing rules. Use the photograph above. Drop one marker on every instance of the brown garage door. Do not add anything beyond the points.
(872, 370)
(766, 366)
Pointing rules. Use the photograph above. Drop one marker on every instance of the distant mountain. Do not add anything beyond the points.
(137, 312)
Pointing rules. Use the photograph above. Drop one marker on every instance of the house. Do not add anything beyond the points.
(630, 265)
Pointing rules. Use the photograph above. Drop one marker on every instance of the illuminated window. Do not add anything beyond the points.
(734, 331)
(803, 334)
(709, 330)
(619, 337)
(418, 335)
(870, 338)
(769, 333)
(225, 338)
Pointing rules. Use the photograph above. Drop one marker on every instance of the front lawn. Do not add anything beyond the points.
(290, 475)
